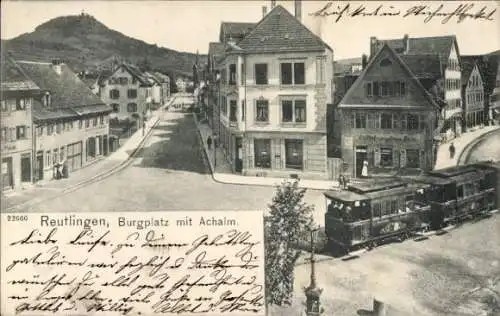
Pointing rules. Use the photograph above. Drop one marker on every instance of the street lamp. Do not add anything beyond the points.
(313, 293)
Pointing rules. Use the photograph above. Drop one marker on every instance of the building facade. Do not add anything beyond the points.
(18, 92)
(449, 91)
(70, 123)
(472, 93)
(274, 91)
(387, 120)
(128, 92)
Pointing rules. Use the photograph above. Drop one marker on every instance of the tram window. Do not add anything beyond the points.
(377, 209)
(469, 189)
(394, 207)
(460, 191)
(477, 187)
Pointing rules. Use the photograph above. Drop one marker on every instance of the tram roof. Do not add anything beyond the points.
(345, 195)
(377, 185)
(453, 171)
(394, 190)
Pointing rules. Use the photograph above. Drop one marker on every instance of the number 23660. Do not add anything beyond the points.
(17, 218)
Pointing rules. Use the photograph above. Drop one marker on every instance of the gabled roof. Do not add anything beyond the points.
(280, 31)
(235, 30)
(161, 77)
(467, 66)
(405, 67)
(440, 45)
(13, 78)
(66, 89)
(424, 66)
(133, 70)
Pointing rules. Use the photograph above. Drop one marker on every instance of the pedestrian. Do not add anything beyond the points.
(452, 150)
(209, 142)
(364, 170)
(341, 181)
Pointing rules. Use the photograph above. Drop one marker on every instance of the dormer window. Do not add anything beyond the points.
(46, 99)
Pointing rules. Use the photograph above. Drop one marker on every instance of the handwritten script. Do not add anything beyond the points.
(460, 12)
(208, 263)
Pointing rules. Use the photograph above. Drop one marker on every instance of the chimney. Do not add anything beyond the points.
(56, 65)
(298, 10)
(273, 4)
(406, 44)
(264, 11)
(373, 46)
(364, 61)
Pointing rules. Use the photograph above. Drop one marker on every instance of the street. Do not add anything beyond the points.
(168, 173)
(486, 149)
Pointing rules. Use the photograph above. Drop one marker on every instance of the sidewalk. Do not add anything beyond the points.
(222, 171)
(461, 144)
(52, 188)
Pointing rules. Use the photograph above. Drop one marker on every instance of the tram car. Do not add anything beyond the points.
(374, 212)
(459, 193)
(492, 180)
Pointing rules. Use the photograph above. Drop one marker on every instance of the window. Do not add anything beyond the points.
(293, 111)
(58, 128)
(132, 93)
(123, 80)
(94, 121)
(233, 107)
(47, 158)
(243, 110)
(50, 129)
(232, 74)
(412, 158)
(87, 123)
(386, 157)
(115, 107)
(4, 134)
(132, 107)
(101, 119)
(294, 154)
(262, 153)
(39, 131)
(46, 100)
(386, 121)
(360, 120)
(413, 123)
(376, 89)
(262, 111)
(377, 209)
(80, 124)
(20, 104)
(369, 91)
(260, 73)
(114, 94)
(4, 106)
(460, 191)
(292, 73)
(385, 62)
(320, 69)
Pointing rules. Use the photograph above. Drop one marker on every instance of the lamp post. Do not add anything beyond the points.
(313, 293)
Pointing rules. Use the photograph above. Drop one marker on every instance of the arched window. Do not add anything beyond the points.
(132, 107)
(114, 94)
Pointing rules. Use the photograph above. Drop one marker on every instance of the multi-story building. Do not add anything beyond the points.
(155, 82)
(274, 90)
(18, 92)
(164, 86)
(491, 82)
(449, 91)
(128, 92)
(70, 123)
(387, 119)
(215, 55)
(472, 91)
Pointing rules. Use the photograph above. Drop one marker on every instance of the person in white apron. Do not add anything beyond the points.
(364, 170)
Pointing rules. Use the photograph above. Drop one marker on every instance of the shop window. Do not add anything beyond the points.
(412, 158)
(294, 153)
(386, 157)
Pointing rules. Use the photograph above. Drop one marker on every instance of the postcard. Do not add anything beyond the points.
(250, 158)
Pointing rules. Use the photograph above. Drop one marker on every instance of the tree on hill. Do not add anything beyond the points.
(289, 218)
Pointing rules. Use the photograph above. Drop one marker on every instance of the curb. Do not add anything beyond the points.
(214, 174)
(465, 154)
(93, 179)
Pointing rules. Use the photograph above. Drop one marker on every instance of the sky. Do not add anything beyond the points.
(190, 25)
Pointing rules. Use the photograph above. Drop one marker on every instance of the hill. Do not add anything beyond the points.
(84, 43)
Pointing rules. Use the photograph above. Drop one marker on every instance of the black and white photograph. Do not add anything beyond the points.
(268, 158)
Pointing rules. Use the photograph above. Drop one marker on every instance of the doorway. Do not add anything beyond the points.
(39, 166)
(7, 181)
(26, 168)
(361, 156)
(238, 155)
